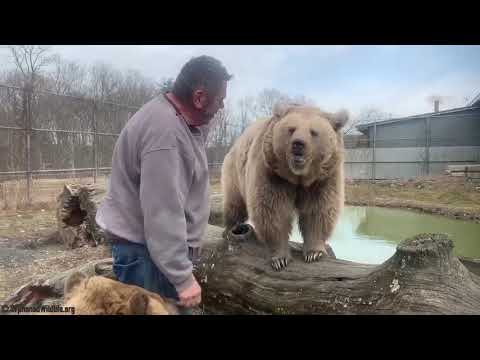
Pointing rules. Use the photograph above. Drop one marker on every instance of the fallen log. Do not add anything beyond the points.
(422, 277)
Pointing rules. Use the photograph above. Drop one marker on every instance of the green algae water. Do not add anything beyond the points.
(370, 234)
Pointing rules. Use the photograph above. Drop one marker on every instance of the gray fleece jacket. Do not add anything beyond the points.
(159, 188)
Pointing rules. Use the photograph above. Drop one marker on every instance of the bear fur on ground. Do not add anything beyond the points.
(99, 295)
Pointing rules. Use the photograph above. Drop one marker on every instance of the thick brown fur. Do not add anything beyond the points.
(99, 295)
(262, 182)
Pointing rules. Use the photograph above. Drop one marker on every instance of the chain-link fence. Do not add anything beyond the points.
(46, 136)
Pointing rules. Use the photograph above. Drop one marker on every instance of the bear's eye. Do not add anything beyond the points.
(313, 133)
(291, 130)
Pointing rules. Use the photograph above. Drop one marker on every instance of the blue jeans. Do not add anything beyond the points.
(132, 265)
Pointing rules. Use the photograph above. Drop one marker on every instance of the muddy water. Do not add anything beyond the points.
(370, 234)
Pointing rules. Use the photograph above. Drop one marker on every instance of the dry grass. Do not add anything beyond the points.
(449, 196)
(444, 190)
(44, 192)
(27, 224)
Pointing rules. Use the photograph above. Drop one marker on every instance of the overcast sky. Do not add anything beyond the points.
(396, 79)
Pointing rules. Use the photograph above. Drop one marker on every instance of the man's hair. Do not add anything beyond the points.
(202, 71)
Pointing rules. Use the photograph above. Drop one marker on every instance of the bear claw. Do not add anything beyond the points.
(279, 264)
(313, 256)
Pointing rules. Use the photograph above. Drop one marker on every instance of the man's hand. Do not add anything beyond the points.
(191, 296)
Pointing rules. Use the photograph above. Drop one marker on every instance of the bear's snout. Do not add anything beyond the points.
(298, 148)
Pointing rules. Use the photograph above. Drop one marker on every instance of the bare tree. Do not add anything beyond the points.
(218, 135)
(303, 100)
(67, 77)
(266, 100)
(104, 82)
(367, 115)
(246, 110)
(30, 61)
(135, 89)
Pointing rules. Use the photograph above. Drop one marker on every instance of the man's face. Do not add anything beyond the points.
(210, 104)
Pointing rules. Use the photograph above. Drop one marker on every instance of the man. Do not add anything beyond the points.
(157, 206)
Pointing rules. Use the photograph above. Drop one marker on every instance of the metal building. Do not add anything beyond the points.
(420, 145)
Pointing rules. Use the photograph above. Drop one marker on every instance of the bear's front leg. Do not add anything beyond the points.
(318, 215)
(314, 232)
(272, 216)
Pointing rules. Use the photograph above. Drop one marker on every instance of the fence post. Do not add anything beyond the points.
(374, 148)
(427, 145)
(94, 125)
(28, 134)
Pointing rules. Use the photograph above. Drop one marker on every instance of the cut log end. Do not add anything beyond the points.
(76, 210)
(430, 245)
(424, 250)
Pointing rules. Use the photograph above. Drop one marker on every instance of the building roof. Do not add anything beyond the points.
(474, 105)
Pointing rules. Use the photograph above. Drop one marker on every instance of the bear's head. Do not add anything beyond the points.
(99, 295)
(303, 141)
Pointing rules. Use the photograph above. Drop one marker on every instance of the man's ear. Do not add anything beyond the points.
(199, 98)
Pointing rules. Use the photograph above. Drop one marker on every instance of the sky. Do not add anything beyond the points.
(395, 79)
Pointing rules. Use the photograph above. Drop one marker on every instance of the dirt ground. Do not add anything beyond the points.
(28, 247)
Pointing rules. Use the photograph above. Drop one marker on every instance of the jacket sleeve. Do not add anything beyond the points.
(165, 180)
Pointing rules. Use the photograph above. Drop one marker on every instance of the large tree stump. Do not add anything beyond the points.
(76, 209)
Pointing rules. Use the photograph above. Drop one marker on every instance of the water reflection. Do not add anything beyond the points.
(370, 234)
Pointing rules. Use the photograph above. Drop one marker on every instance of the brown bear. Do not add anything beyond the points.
(98, 295)
(289, 164)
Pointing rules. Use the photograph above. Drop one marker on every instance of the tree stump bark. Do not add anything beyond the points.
(76, 209)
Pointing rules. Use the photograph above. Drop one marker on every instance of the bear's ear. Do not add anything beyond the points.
(282, 107)
(138, 304)
(72, 282)
(338, 119)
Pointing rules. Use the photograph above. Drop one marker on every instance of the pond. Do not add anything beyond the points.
(370, 234)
